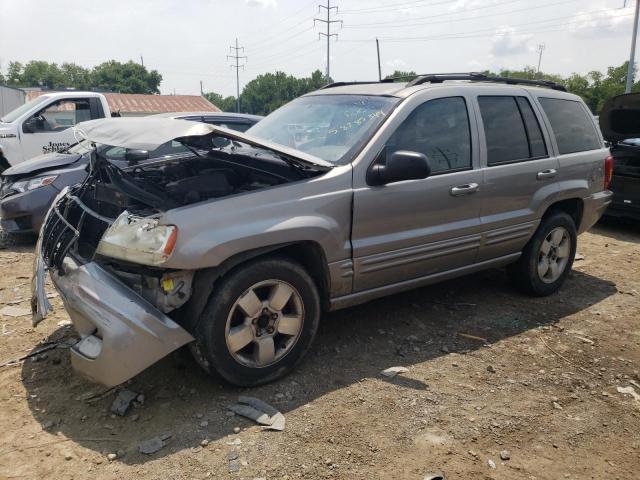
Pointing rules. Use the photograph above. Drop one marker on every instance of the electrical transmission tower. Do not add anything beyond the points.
(328, 22)
(237, 66)
(540, 48)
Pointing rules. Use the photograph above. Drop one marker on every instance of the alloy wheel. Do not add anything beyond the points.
(553, 256)
(264, 323)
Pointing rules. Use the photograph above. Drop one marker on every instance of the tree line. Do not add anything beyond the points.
(129, 77)
(595, 87)
(268, 91)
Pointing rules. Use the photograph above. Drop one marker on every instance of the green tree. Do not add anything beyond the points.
(127, 77)
(402, 76)
(226, 104)
(75, 76)
(269, 91)
(14, 74)
(42, 74)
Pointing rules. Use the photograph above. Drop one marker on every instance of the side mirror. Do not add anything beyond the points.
(134, 155)
(401, 165)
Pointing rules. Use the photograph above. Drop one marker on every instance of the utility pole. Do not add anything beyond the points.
(328, 22)
(540, 48)
(141, 61)
(201, 90)
(237, 66)
(632, 55)
(378, 50)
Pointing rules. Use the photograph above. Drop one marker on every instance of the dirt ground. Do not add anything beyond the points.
(541, 390)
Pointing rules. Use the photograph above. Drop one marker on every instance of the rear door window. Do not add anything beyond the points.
(572, 127)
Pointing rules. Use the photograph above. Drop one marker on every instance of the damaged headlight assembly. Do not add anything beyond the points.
(137, 239)
(37, 182)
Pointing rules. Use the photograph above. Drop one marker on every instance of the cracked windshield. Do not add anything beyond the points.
(330, 127)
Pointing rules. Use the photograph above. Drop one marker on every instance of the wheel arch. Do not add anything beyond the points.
(574, 207)
(309, 254)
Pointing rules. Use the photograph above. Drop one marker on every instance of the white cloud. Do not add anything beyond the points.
(396, 64)
(509, 42)
(609, 22)
(262, 3)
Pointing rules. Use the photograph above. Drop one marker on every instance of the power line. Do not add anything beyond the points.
(328, 22)
(403, 24)
(466, 33)
(237, 66)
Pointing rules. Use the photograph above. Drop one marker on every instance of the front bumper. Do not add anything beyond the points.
(25, 212)
(593, 207)
(121, 333)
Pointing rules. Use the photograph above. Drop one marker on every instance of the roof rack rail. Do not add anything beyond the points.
(342, 84)
(481, 77)
(471, 76)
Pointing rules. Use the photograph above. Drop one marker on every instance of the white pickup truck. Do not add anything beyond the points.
(43, 125)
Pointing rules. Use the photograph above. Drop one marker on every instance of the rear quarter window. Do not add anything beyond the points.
(571, 124)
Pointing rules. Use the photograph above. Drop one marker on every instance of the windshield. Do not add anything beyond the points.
(13, 115)
(330, 127)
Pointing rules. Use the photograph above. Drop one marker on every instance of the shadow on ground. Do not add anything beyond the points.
(356, 343)
(623, 229)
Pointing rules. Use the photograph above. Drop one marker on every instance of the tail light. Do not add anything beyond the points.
(608, 171)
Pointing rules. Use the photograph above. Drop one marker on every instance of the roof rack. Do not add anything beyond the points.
(471, 76)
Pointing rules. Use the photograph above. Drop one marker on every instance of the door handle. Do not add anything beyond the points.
(464, 189)
(544, 174)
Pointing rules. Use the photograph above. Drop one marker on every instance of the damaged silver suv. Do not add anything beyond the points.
(346, 194)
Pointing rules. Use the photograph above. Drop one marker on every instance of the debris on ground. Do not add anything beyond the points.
(123, 401)
(629, 391)
(260, 412)
(151, 446)
(434, 476)
(393, 371)
(491, 463)
(11, 311)
(505, 455)
(578, 256)
(473, 337)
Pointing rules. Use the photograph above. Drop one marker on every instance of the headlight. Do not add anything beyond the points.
(37, 182)
(138, 240)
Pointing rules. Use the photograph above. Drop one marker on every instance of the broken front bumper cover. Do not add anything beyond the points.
(121, 333)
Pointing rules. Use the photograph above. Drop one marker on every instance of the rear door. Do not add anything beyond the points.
(416, 228)
(519, 169)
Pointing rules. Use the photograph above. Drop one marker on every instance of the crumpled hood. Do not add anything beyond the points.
(620, 117)
(146, 133)
(47, 161)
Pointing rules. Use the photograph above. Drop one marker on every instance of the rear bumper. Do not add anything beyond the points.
(24, 212)
(593, 208)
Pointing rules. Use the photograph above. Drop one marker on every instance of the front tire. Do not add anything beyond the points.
(259, 323)
(548, 256)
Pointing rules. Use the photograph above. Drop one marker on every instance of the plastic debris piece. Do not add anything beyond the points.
(393, 371)
(629, 391)
(260, 412)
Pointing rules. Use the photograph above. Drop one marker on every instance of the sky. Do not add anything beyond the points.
(188, 41)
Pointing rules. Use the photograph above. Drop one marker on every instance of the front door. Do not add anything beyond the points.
(49, 130)
(415, 228)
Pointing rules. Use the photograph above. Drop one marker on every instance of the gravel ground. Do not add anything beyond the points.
(499, 386)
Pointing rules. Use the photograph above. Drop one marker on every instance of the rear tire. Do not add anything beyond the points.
(548, 256)
(259, 322)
